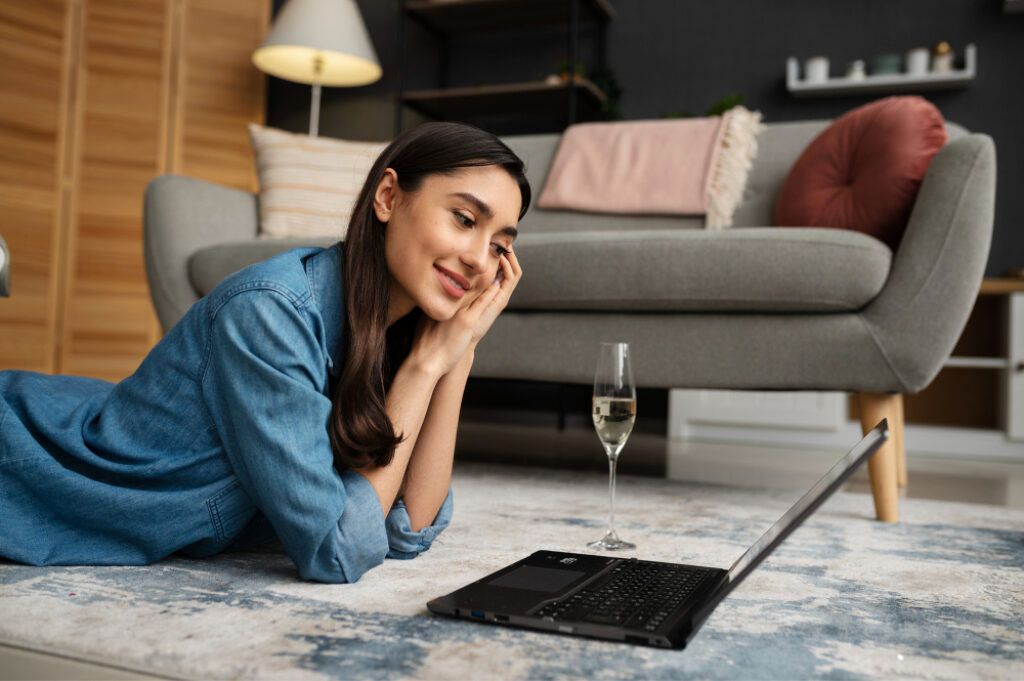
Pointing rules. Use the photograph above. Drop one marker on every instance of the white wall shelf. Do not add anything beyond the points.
(882, 83)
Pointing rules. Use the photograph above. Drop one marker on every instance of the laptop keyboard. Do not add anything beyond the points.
(636, 595)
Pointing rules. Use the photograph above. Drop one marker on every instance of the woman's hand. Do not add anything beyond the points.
(439, 346)
(509, 274)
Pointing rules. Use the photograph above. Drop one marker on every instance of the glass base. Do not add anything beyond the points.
(611, 542)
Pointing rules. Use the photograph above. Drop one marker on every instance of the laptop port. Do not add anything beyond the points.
(477, 613)
(501, 618)
(642, 640)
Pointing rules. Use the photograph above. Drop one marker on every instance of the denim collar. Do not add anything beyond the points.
(323, 269)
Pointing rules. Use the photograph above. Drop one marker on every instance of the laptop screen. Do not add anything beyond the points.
(802, 508)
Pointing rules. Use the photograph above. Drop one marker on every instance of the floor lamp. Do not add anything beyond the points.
(319, 42)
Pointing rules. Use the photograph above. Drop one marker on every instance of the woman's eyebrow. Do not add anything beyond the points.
(480, 205)
(486, 210)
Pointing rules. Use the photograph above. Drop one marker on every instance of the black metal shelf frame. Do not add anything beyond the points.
(443, 19)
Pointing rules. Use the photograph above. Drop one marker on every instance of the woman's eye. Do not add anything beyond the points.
(500, 250)
(466, 221)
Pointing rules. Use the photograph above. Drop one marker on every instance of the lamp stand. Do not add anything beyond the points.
(314, 111)
(314, 104)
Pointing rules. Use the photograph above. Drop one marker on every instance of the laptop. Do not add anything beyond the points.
(624, 599)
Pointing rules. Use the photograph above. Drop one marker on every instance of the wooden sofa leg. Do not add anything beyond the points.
(882, 466)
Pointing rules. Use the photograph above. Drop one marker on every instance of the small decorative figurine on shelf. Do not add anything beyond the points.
(917, 61)
(883, 64)
(942, 58)
(855, 71)
(816, 69)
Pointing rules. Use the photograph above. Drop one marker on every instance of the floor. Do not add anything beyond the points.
(26, 665)
(996, 483)
(968, 480)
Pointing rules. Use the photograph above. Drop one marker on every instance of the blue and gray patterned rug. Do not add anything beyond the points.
(938, 596)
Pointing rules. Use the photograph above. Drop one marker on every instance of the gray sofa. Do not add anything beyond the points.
(752, 307)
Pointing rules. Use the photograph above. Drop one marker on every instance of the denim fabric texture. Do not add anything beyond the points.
(218, 440)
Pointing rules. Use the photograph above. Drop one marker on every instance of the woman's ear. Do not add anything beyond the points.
(384, 197)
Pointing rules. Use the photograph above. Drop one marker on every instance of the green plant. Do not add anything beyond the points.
(717, 108)
(724, 104)
(564, 67)
(605, 81)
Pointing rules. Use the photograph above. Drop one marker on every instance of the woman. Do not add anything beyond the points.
(313, 396)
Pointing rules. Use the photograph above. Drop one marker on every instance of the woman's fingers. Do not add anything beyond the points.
(510, 275)
(509, 265)
(484, 299)
(513, 262)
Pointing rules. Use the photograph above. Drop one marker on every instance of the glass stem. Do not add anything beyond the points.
(612, 464)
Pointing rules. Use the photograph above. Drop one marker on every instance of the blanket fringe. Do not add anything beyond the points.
(735, 159)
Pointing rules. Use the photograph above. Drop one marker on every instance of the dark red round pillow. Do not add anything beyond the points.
(864, 170)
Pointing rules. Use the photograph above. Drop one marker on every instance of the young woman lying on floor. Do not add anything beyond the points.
(313, 397)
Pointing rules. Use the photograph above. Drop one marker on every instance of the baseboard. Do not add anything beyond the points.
(815, 421)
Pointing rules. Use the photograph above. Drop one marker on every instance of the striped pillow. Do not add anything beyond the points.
(308, 185)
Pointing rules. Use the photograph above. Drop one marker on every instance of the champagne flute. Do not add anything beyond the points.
(614, 412)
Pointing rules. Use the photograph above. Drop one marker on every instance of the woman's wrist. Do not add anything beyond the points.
(425, 367)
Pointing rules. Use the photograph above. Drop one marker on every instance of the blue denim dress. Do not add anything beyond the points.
(218, 440)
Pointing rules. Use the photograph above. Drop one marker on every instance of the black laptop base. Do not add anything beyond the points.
(613, 599)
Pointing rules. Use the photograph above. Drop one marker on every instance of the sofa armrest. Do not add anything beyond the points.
(938, 266)
(182, 215)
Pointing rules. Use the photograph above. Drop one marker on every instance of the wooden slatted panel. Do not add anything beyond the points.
(221, 91)
(32, 43)
(106, 94)
(107, 321)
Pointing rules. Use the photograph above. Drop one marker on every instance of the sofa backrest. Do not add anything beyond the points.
(778, 148)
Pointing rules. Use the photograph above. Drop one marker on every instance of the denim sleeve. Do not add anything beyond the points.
(260, 388)
(402, 541)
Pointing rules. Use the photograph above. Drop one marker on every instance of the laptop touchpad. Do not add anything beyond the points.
(535, 578)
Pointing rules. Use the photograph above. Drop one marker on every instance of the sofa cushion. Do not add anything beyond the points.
(207, 267)
(761, 269)
(864, 170)
(740, 270)
(308, 185)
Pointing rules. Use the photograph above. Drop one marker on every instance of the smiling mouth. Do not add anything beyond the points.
(454, 287)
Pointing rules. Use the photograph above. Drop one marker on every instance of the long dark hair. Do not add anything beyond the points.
(361, 432)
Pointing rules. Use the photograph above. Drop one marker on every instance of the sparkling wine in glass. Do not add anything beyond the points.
(614, 412)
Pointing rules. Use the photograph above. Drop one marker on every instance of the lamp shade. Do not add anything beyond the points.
(331, 31)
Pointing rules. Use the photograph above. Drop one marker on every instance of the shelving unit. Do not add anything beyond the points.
(1010, 364)
(883, 83)
(490, 100)
(458, 16)
(578, 97)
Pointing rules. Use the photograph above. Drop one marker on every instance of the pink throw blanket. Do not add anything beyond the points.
(695, 166)
(635, 167)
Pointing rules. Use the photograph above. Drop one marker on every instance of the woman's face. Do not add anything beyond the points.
(443, 240)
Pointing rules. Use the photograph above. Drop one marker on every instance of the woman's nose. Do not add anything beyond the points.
(475, 256)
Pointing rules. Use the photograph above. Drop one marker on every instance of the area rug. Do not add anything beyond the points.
(938, 596)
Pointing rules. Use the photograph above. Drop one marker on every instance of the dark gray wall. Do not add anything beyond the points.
(684, 54)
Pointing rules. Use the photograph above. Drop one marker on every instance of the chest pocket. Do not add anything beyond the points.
(230, 511)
